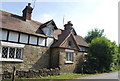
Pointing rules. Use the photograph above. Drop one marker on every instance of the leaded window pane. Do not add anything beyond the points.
(4, 52)
(18, 53)
(11, 52)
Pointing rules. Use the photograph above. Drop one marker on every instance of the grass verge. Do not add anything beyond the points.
(62, 76)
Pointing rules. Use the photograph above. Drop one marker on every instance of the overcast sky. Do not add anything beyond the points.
(84, 14)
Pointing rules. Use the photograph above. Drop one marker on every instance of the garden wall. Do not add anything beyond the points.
(31, 73)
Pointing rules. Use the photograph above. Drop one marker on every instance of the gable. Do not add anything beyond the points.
(48, 28)
(69, 42)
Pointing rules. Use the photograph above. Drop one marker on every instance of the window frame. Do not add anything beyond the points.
(69, 57)
(9, 45)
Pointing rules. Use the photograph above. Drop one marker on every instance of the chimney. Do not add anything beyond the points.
(27, 12)
(68, 25)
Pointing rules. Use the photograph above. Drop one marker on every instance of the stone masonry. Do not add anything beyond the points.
(34, 57)
(59, 56)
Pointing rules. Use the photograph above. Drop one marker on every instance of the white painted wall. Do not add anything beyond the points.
(68, 50)
(41, 41)
(49, 41)
(23, 38)
(33, 40)
(83, 49)
(3, 34)
(13, 36)
(9, 44)
(49, 30)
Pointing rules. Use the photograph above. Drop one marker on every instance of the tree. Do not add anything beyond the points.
(119, 54)
(93, 34)
(102, 56)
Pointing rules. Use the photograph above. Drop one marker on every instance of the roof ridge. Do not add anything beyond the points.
(8, 13)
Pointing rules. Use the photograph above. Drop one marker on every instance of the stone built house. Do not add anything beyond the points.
(28, 44)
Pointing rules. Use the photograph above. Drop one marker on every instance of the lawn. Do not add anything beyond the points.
(66, 76)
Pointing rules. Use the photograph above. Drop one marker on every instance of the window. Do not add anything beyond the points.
(19, 53)
(11, 52)
(4, 52)
(83, 49)
(69, 57)
(85, 57)
(69, 43)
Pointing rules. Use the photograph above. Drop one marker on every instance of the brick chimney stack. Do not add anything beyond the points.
(27, 12)
(68, 25)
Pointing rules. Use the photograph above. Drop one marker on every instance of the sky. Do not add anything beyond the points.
(84, 14)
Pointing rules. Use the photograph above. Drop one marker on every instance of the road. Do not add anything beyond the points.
(100, 77)
(113, 75)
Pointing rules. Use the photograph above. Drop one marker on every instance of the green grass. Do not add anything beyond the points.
(66, 76)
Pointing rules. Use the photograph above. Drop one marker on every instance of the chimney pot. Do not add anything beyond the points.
(27, 12)
(68, 25)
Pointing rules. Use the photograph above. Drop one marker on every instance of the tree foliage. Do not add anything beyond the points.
(119, 54)
(102, 56)
(93, 34)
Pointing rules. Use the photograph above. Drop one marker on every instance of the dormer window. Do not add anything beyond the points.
(48, 31)
(48, 28)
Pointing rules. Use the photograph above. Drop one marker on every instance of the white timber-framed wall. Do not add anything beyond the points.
(13, 42)
(22, 38)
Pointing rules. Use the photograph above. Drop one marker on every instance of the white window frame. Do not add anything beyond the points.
(11, 45)
(85, 57)
(49, 42)
(69, 57)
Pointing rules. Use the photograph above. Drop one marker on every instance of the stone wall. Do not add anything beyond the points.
(71, 67)
(59, 60)
(54, 58)
(34, 57)
(31, 73)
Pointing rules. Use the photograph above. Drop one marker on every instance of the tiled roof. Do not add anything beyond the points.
(16, 23)
(33, 27)
(51, 21)
(61, 38)
(80, 41)
(60, 35)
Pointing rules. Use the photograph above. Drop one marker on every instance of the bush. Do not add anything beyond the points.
(102, 56)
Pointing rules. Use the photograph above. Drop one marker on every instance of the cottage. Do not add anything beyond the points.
(29, 44)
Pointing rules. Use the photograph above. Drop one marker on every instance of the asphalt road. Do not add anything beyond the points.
(113, 75)
(100, 77)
